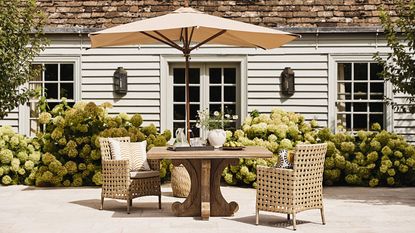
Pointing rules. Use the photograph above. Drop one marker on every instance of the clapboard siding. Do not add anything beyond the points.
(12, 120)
(308, 57)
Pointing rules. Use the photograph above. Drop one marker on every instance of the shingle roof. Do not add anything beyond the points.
(271, 13)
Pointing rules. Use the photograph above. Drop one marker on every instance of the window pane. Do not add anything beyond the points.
(51, 72)
(230, 75)
(34, 127)
(193, 111)
(179, 111)
(376, 118)
(360, 91)
(215, 94)
(230, 94)
(215, 75)
(359, 122)
(377, 91)
(375, 70)
(194, 75)
(177, 125)
(344, 120)
(195, 131)
(52, 105)
(344, 71)
(35, 86)
(67, 72)
(194, 94)
(38, 68)
(67, 90)
(341, 106)
(360, 107)
(231, 126)
(215, 107)
(178, 75)
(376, 107)
(34, 110)
(344, 91)
(51, 90)
(230, 109)
(179, 94)
(360, 71)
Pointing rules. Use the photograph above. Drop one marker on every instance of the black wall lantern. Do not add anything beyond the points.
(287, 81)
(120, 81)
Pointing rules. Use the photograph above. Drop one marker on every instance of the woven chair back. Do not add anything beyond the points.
(106, 149)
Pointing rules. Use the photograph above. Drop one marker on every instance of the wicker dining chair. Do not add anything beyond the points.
(290, 191)
(118, 182)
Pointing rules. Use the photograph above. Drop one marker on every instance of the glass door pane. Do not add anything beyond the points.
(223, 92)
(179, 99)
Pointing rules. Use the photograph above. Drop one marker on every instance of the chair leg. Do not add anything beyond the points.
(323, 219)
(131, 202)
(294, 222)
(128, 206)
(159, 201)
(102, 203)
(257, 217)
(288, 217)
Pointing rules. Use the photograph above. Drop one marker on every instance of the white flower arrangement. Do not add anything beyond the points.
(217, 121)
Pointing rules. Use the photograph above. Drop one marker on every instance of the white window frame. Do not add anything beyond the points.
(334, 60)
(168, 62)
(24, 110)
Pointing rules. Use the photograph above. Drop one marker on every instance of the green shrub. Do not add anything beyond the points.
(70, 142)
(366, 158)
(19, 156)
(275, 131)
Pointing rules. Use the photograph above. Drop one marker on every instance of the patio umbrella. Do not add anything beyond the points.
(187, 29)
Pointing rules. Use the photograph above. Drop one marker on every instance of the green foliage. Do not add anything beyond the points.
(275, 131)
(67, 152)
(399, 67)
(70, 142)
(371, 158)
(19, 157)
(375, 159)
(20, 42)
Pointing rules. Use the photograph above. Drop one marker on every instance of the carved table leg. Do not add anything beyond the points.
(205, 198)
(218, 205)
(192, 205)
(205, 189)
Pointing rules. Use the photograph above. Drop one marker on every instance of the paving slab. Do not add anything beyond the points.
(75, 210)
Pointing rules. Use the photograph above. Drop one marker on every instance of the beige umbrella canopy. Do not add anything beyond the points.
(187, 29)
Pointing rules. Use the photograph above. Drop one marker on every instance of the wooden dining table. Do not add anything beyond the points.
(205, 169)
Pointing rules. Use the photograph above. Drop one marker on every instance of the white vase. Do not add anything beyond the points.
(217, 137)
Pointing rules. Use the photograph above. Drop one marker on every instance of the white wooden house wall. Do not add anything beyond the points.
(312, 58)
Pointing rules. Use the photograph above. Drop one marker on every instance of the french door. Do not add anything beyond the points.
(215, 87)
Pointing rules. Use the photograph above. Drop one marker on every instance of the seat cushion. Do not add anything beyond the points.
(136, 152)
(116, 154)
(144, 174)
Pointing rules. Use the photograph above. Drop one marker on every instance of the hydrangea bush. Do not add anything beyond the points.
(366, 158)
(275, 131)
(19, 157)
(70, 141)
(370, 158)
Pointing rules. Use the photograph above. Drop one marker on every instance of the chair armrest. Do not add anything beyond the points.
(275, 173)
(154, 164)
(116, 171)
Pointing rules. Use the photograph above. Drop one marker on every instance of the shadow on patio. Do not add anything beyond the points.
(270, 220)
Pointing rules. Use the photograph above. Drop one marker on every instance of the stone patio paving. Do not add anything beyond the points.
(75, 210)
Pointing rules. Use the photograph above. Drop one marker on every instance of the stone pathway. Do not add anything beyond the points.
(75, 210)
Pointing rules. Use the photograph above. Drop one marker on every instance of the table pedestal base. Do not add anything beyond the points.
(205, 198)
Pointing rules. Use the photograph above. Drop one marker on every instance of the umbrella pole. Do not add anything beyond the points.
(186, 75)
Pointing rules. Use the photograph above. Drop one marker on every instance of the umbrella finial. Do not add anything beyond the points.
(186, 3)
